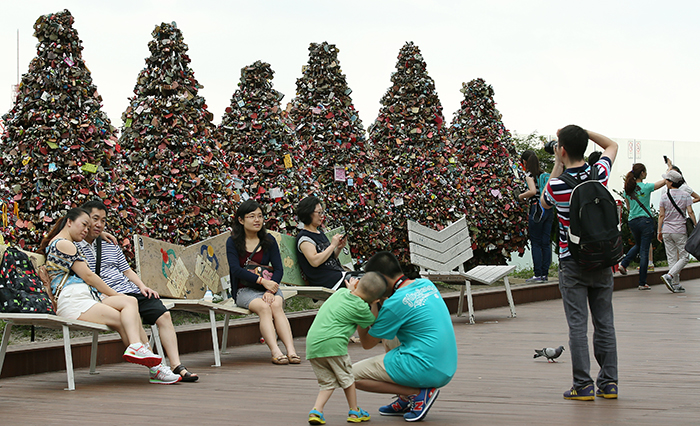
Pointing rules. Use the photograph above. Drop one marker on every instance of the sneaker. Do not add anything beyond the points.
(644, 287)
(161, 374)
(396, 408)
(668, 280)
(678, 289)
(138, 354)
(544, 279)
(585, 394)
(608, 391)
(421, 403)
(622, 269)
(532, 279)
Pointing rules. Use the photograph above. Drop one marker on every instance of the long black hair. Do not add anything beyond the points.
(632, 176)
(73, 215)
(238, 232)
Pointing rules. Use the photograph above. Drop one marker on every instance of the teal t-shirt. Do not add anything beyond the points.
(644, 191)
(417, 315)
(335, 322)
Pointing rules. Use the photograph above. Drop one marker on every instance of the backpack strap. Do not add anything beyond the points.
(98, 255)
(573, 181)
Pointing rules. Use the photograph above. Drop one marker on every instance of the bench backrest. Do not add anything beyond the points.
(440, 251)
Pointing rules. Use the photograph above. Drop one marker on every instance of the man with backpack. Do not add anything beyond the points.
(586, 252)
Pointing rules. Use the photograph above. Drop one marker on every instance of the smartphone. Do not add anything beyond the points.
(665, 160)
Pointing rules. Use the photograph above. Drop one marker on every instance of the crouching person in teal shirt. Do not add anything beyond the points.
(424, 356)
(327, 342)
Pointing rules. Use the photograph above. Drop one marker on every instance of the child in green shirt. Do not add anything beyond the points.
(327, 341)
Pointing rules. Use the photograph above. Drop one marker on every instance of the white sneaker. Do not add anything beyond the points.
(668, 280)
(161, 374)
(138, 354)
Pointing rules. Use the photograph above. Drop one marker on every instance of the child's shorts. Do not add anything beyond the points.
(333, 371)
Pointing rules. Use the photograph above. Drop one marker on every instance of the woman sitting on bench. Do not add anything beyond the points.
(73, 285)
(254, 285)
(318, 257)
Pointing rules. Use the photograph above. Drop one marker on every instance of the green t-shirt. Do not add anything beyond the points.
(335, 322)
(643, 192)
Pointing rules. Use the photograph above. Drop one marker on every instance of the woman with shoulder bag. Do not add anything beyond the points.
(539, 219)
(640, 219)
(251, 251)
(673, 230)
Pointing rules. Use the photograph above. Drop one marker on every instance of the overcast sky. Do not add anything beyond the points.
(627, 69)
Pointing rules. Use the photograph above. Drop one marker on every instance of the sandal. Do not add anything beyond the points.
(316, 417)
(294, 359)
(361, 416)
(280, 360)
(187, 377)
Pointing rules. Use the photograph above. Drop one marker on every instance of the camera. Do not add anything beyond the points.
(549, 146)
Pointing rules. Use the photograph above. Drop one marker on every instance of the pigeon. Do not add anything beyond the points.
(550, 353)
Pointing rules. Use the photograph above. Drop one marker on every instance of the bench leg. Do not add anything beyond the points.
(224, 335)
(69, 358)
(155, 339)
(470, 302)
(93, 352)
(214, 339)
(5, 342)
(460, 304)
(510, 297)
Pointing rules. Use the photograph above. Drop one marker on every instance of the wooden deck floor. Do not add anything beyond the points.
(497, 382)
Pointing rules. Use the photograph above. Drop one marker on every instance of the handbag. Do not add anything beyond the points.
(689, 225)
(264, 271)
(692, 246)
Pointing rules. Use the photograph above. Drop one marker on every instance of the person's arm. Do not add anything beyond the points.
(316, 259)
(368, 341)
(531, 189)
(134, 278)
(609, 146)
(658, 184)
(82, 270)
(109, 238)
(691, 214)
(695, 197)
(662, 214)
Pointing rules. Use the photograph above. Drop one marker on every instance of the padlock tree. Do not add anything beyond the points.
(176, 174)
(420, 178)
(334, 144)
(262, 151)
(59, 148)
(497, 220)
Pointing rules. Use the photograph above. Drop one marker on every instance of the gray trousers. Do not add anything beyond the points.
(676, 254)
(580, 290)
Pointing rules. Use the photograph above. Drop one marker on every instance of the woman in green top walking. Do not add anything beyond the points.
(640, 220)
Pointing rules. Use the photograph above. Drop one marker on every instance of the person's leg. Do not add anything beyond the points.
(322, 398)
(351, 396)
(546, 241)
(534, 228)
(128, 316)
(679, 241)
(647, 232)
(168, 338)
(284, 330)
(101, 313)
(636, 231)
(575, 298)
(604, 340)
(267, 328)
(671, 250)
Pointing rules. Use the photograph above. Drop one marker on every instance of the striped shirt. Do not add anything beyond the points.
(113, 265)
(557, 193)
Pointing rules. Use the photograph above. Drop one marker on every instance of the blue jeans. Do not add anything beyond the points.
(580, 290)
(540, 241)
(642, 229)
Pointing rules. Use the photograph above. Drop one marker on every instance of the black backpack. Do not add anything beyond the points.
(595, 239)
(21, 290)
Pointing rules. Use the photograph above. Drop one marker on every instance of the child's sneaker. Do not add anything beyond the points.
(162, 375)
(608, 391)
(421, 403)
(396, 408)
(138, 354)
(668, 280)
(360, 416)
(585, 394)
(678, 289)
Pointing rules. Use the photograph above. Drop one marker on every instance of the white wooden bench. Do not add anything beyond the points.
(53, 321)
(439, 253)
